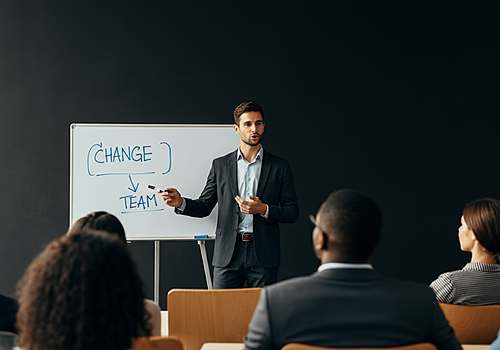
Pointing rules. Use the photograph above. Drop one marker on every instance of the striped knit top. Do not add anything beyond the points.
(476, 284)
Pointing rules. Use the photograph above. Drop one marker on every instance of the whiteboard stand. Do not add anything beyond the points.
(206, 268)
(157, 273)
(203, 252)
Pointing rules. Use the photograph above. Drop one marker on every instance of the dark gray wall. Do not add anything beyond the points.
(399, 101)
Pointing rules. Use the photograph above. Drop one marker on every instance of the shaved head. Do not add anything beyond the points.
(352, 222)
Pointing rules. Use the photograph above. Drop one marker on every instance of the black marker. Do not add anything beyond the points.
(153, 187)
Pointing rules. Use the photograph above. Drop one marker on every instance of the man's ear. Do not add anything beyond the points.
(324, 237)
(236, 129)
(321, 242)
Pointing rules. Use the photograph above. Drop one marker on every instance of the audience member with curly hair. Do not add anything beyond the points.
(82, 292)
(479, 281)
(107, 222)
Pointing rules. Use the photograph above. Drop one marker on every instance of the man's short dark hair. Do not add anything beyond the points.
(247, 106)
(353, 222)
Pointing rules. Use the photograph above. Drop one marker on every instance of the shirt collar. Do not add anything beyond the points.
(477, 266)
(338, 265)
(259, 155)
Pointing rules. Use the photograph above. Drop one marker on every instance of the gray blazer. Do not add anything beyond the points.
(348, 308)
(275, 189)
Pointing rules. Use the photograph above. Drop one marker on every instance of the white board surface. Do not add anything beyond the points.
(112, 165)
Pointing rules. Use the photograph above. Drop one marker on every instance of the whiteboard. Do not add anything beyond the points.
(112, 165)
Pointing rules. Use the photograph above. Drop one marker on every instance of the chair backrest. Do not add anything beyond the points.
(197, 316)
(473, 324)
(156, 343)
(8, 340)
(419, 346)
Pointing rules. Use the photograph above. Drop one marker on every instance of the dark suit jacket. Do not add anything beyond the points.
(348, 308)
(8, 310)
(275, 189)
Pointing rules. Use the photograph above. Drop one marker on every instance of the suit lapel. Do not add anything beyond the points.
(233, 172)
(264, 173)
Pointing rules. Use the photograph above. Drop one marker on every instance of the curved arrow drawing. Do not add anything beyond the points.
(169, 157)
(88, 155)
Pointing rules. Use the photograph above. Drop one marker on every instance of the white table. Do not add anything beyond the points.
(475, 346)
(230, 346)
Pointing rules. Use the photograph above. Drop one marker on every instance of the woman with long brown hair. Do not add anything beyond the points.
(478, 283)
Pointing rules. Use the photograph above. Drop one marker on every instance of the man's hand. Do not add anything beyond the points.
(253, 206)
(171, 197)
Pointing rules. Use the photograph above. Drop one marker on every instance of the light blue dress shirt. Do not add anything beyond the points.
(248, 183)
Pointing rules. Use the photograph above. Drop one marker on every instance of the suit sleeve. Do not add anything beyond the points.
(259, 331)
(443, 335)
(207, 200)
(288, 209)
(8, 310)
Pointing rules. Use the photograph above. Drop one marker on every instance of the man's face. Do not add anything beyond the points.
(250, 128)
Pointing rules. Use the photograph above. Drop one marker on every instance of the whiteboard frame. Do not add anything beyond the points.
(73, 126)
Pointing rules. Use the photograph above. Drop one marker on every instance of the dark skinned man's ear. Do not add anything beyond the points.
(325, 241)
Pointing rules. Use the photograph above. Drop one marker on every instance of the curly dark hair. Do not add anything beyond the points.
(101, 221)
(82, 292)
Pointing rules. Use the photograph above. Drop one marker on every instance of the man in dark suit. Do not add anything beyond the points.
(255, 193)
(346, 303)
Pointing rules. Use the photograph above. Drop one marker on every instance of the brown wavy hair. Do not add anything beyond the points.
(244, 107)
(482, 216)
(82, 292)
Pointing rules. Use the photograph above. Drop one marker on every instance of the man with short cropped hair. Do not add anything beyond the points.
(346, 303)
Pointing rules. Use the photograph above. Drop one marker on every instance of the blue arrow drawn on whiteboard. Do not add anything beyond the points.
(134, 188)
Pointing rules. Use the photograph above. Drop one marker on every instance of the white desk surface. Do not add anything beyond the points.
(164, 323)
(475, 346)
(240, 346)
(230, 346)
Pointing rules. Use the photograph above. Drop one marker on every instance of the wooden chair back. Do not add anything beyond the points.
(419, 346)
(156, 343)
(197, 316)
(473, 324)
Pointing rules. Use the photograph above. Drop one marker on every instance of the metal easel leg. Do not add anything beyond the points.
(203, 252)
(157, 273)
